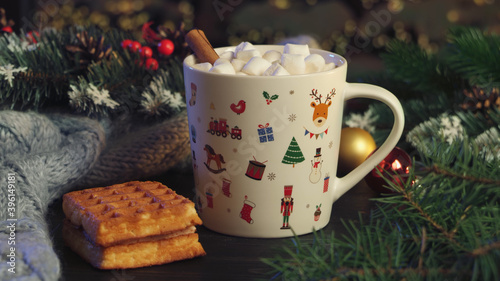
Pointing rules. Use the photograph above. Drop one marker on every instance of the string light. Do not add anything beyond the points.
(311, 2)
(395, 6)
(131, 14)
(280, 4)
(453, 16)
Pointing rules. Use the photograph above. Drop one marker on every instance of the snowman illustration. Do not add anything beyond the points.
(316, 164)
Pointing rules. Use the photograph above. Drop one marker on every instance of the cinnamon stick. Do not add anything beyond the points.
(200, 45)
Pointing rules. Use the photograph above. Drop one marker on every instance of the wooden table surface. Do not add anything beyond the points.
(228, 257)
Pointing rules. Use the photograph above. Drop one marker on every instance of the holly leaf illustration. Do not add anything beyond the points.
(266, 95)
(274, 97)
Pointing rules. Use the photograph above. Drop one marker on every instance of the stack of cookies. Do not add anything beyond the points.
(131, 225)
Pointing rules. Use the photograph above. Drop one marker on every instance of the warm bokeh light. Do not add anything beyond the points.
(358, 22)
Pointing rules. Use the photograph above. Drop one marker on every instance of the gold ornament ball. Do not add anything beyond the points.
(355, 146)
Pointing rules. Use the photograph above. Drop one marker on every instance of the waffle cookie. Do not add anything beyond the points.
(128, 225)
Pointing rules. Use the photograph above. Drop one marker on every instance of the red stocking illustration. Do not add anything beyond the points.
(226, 185)
(247, 210)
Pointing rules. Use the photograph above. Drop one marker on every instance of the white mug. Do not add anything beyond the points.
(265, 148)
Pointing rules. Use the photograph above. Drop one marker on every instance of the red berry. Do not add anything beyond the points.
(166, 47)
(125, 43)
(146, 52)
(135, 46)
(152, 64)
(139, 62)
(32, 35)
(7, 29)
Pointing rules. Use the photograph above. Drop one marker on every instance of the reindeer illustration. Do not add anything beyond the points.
(320, 113)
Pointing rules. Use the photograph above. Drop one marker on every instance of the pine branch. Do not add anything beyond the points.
(84, 70)
(420, 272)
(445, 172)
(476, 123)
(45, 78)
(485, 250)
(474, 55)
(411, 65)
(428, 217)
(435, 227)
(470, 59)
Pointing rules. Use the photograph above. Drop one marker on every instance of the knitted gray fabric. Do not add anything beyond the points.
(142, 152)
(51, 155)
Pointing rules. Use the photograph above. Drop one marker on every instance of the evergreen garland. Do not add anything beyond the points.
(97, 78)
(444, 223)
(474, 55)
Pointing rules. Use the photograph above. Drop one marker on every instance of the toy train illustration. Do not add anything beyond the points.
(221, 128)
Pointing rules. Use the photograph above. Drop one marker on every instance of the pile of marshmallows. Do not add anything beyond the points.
(244, 59)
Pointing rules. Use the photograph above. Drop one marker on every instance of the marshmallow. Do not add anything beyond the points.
(238, 64)
(246, 55)
(280, 71)
(205, 66)
(272, 56)
(244, 46)
(275, 70)
(221, 61)
(190, 60)
(296, 49)
(314, 63)
(229, 49)
(227, 55)
(329, 66)
(245, 59)
(224, 68)
(269, 71)
(256, 66)
(294, 63)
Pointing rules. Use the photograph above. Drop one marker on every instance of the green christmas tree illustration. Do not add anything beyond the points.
(293, 154)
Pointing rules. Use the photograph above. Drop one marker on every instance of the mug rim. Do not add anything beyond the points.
(271, 47)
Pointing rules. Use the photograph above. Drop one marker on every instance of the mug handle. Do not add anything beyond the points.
(359, 90)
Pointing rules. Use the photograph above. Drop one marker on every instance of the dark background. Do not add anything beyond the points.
(357, 29)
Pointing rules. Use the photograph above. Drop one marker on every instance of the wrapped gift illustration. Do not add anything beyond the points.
(326, 182)
(265, 133)
(210, 198)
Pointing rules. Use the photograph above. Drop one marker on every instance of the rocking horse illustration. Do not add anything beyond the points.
(211, 155)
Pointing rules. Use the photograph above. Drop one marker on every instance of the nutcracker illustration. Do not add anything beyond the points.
(287, 206)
